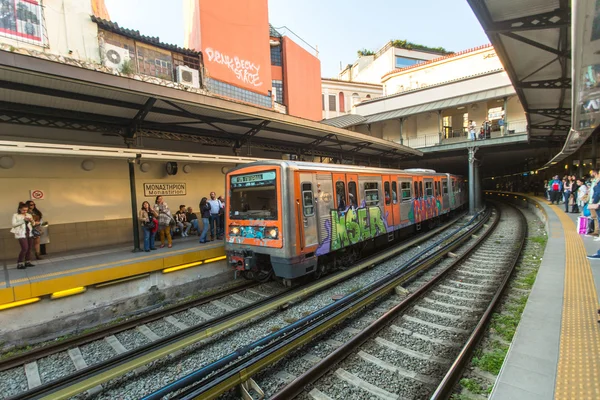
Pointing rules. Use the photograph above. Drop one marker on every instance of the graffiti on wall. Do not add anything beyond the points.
(244, 70)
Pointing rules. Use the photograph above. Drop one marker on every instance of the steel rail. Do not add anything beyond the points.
(241, 370)
(115, 367)
(35, 354)
(445, 388)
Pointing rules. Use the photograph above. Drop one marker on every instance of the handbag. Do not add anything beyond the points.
(36, 232)
(586, 211)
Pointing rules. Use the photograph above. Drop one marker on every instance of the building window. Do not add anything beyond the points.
(234, 92)
(323, 101)
(154, 63)
(342, 102)
(278, 87)
(368, 96)
(332, 102)
(22, 20)
(402, 62)
(276, 56)
(355, 99)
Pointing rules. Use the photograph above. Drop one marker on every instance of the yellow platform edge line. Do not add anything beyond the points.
(578, 371)
(37, 289)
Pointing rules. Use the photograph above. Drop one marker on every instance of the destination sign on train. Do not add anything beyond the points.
(265, 176)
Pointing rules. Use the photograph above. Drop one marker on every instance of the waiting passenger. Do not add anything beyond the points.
(353, 201)
(182, 222)
(192, 219)
(165, 220)
(22, 228)
(205, 214)
(221, 216)
(38, 227)
(148, 219)
(215, 218)
(582, 194)
(594, 201)
(555, 190)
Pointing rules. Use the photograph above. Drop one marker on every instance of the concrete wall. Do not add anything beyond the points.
(348, 88)
(70, 31)
(87, 209)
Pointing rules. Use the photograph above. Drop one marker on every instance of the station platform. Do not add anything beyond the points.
(555, 353)
(70, 273)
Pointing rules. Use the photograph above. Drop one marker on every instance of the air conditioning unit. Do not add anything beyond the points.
(115, 56)
(188, 76)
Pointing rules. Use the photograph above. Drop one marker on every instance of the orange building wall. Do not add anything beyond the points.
(302, 81)
(234, 35)
(99, 9)
(276, 73)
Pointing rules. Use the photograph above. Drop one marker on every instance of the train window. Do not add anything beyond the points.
(308, 202)
(394, 192)
(253, 196)
(445, 187)
(371, 193)
(340, 192)
(352, 196)
(406, 195)
(428, 189)
(420, 189)
(386, 190)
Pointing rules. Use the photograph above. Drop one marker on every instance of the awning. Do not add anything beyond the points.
(442, 104)
(43, 93)
(345, 121)
(533, 40)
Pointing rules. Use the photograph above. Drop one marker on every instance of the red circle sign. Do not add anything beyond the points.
(37, 194)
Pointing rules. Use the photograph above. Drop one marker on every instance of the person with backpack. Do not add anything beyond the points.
(594, 202)
(555, 190)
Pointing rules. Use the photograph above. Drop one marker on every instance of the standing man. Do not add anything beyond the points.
(555, 190)
(222, 216)
(215, 219)
(594, 201)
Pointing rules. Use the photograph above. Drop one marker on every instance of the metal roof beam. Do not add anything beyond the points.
(560, 83)
(560, 128)
(564, 53)
(551, 112)
(139, 117)
(553, 19)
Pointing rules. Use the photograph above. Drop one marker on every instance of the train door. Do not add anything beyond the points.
(339, 196)
(437, 194)
(406, 198)
(445, 194)
(418, 195)
(306, 210)
(428, 197)
(388, 196)
(396, 201)
(352, 181)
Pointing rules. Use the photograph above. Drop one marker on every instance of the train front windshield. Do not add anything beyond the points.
(253, 196)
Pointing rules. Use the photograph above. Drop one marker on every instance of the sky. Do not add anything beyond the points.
(337, 28)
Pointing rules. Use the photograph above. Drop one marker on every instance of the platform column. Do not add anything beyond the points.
(472, 161)
(477, 183)
(134, 206)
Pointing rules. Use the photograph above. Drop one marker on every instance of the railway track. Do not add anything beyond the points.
(413, 346)
(399, 345)
(49, 370)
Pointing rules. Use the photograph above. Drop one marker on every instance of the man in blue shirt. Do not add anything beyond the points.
(215, 209)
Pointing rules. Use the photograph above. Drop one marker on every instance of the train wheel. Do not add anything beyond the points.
(320, 270)
(263, 276)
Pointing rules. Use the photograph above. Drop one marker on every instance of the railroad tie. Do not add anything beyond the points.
(33, 375)
(316, 394)
(392, 368)
(257, 293)
(176, 323)
(285, 376)
(241, 299)
(351, 331)
(465, 290)
(150, 335)
(222, 305)
(450, 305)
(454, 317)
(79, 363)
(334, 343)
(364, 385)
(435, 326)
(415, 354)
(425, 338)
(455, 297)
(116, 345)
(311, 358)
(201, 313)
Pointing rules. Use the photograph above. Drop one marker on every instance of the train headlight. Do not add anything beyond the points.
(234, 231)
(272, 233)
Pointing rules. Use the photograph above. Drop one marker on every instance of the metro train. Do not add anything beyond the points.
(291, 219)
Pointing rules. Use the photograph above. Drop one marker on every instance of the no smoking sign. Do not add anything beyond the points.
(37, 194)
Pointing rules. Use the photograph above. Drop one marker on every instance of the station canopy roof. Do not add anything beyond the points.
(533, 40)
(39, 92)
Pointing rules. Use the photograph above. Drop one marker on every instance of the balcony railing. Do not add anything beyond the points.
(512, 128)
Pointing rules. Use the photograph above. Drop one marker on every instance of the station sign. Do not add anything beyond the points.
(257, 179)
(164, 189)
